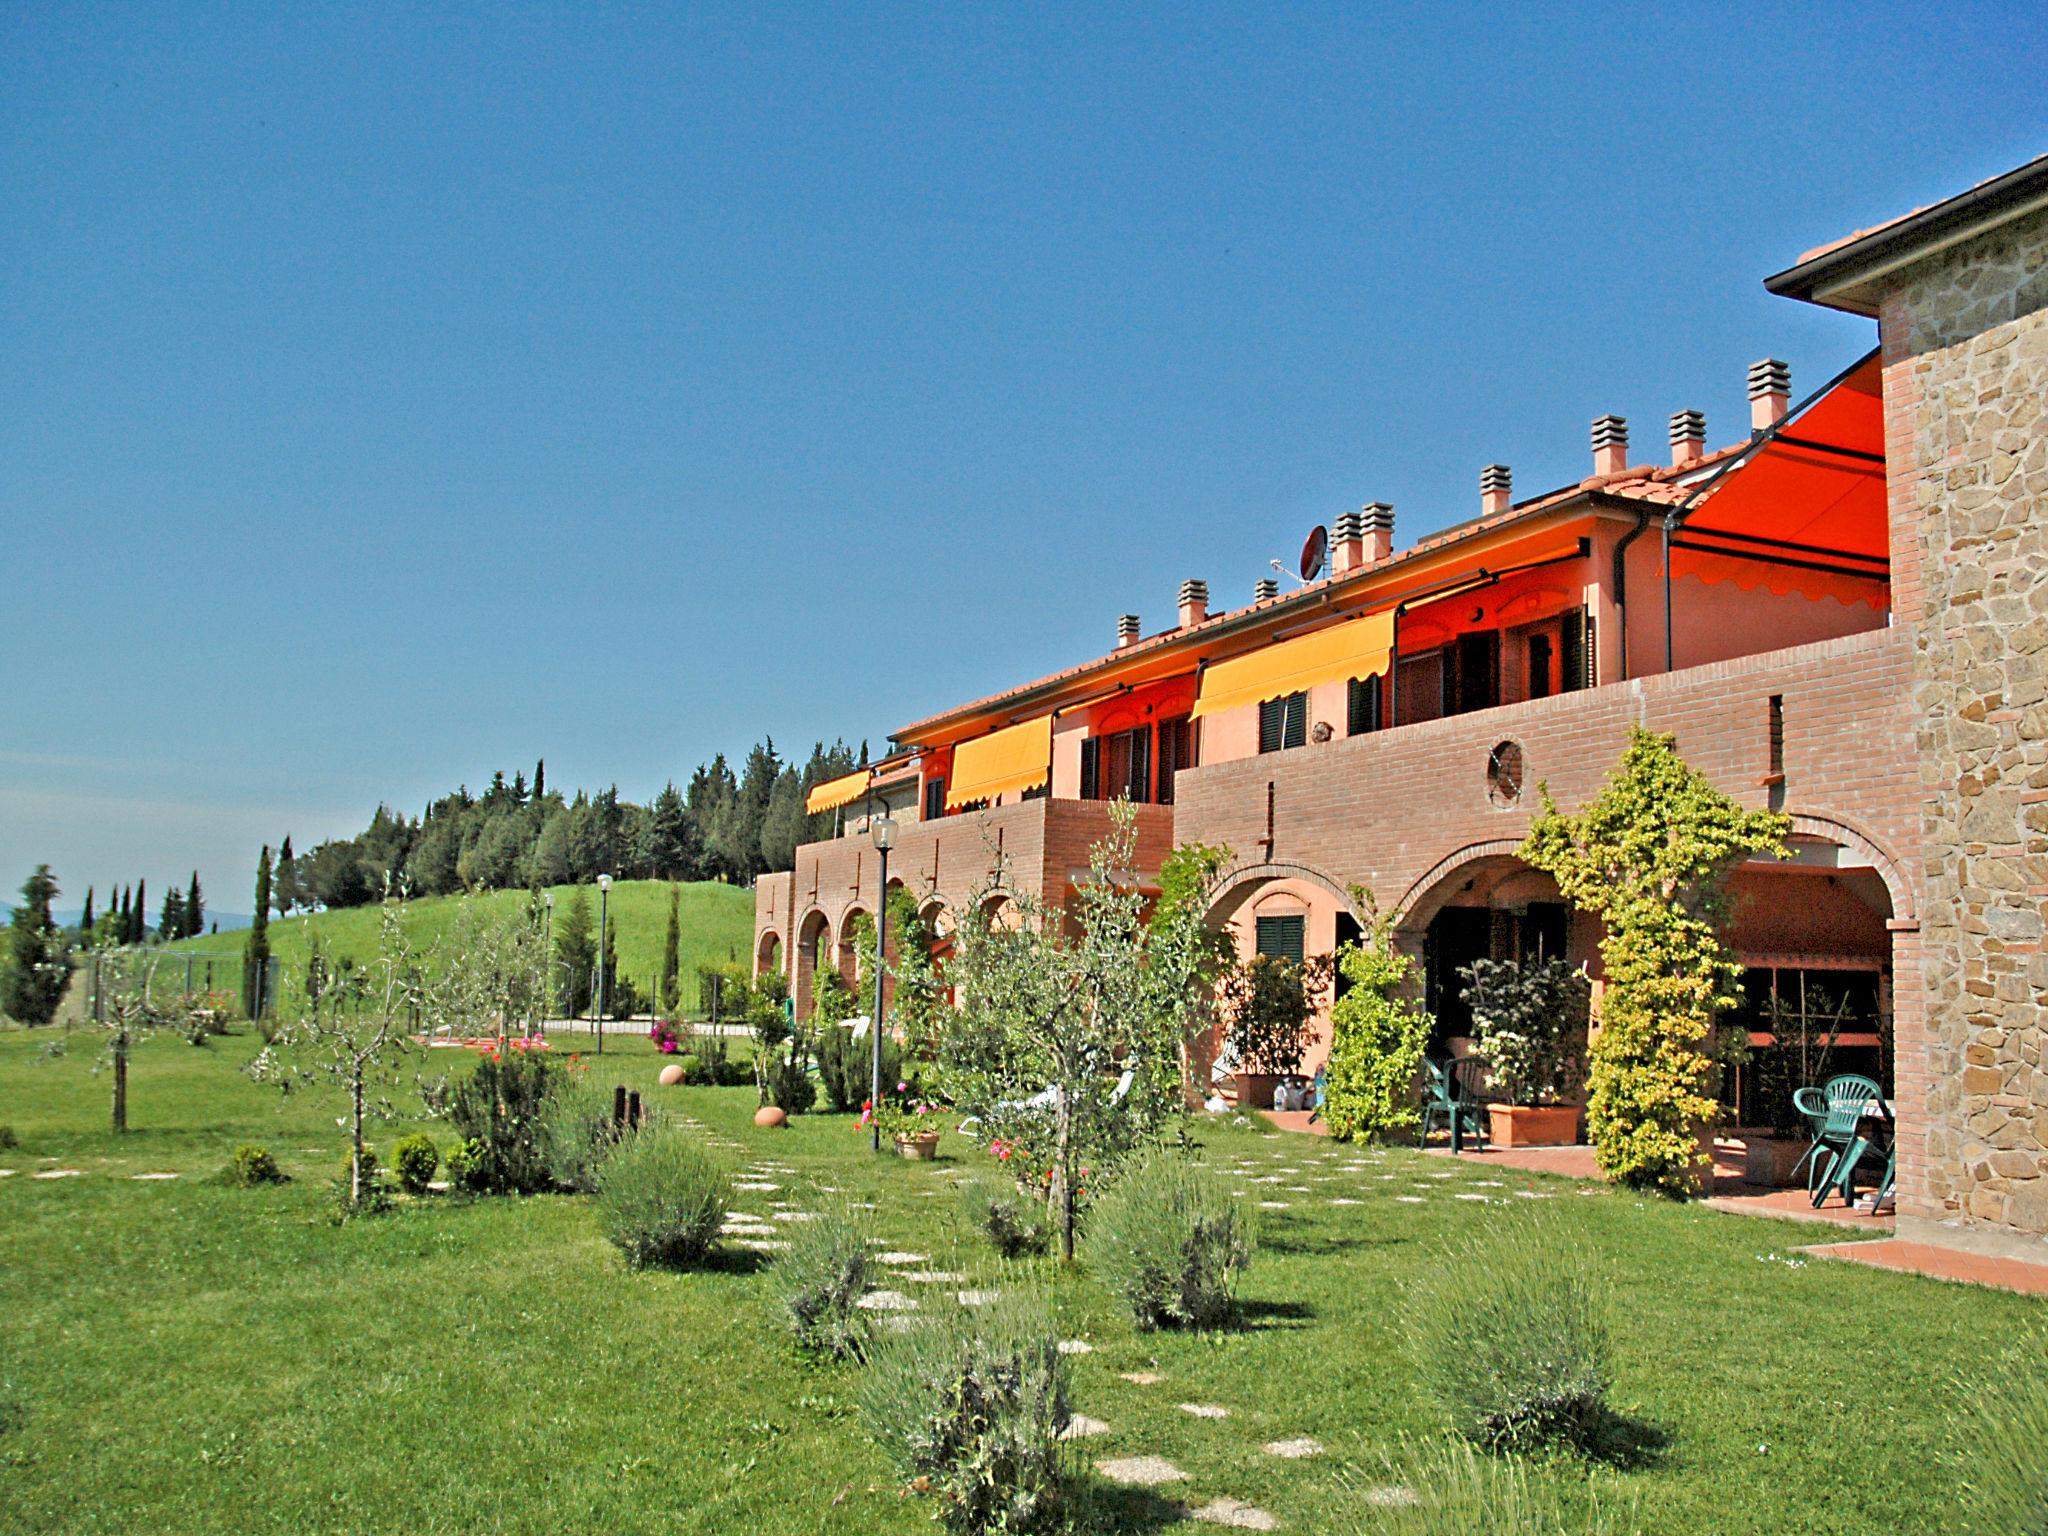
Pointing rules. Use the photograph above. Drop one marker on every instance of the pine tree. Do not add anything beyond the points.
(671, 952)
(138, 916)
(284, 884)
(195, 908)
(171, 924)
(575, 953)
(673, 848)
(85, 918)
(35, 979)
(256, 950)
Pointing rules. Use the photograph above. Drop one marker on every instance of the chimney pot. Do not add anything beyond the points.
(1194, 602)
(1347, 544)
(1376, 525)
(1688, 438)
(1126, 630)
(1265, 589)
(1610, 444)
(1770, 393)
(1496, 489)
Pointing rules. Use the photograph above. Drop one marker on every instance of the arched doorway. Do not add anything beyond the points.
(813, 944)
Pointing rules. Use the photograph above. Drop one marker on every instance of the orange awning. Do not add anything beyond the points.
(1806, 513)
(1014, 759)
(833, 793)
(1354, 648)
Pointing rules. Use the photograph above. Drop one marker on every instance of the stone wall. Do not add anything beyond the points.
(1965, 336)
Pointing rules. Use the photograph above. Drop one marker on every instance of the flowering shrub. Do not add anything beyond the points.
(1012, 1220)
(664, 1036)
(501, 1108)
(903, 1113)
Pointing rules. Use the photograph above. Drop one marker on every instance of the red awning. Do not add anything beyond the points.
(1806, 512)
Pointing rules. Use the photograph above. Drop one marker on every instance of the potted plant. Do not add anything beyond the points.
(909, 1119)
(1529, 1021)
(1266, 1012)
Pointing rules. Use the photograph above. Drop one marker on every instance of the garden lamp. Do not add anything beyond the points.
(883, 831)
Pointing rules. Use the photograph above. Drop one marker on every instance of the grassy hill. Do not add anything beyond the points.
(717, 926)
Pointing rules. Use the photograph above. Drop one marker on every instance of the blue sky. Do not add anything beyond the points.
(389, 397)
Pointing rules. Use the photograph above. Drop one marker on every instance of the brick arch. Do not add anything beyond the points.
(1234, 886)
(770, 953)
(1827, 829)
(1440, 872)
(813, 939)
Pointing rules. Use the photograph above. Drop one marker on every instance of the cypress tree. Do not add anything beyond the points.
(85, 918)
(540, 777)
(120, 914)
(671, 953)
(285, 883)
(195, 908)
(256, 952)
(171, 924)
(138, 915)
(576, 951)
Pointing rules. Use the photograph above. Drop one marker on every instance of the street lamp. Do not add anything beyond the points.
(883, 830)
(547, 958)
(604, 898)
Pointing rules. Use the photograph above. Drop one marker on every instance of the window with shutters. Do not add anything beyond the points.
(1118, 766)
(1574, 652)
(1284, 938)
(1362, 705)
(1176, 751)
(1091, 769)
(934, 799)
(1420, 688)
(1539, 666)
(1283, 722)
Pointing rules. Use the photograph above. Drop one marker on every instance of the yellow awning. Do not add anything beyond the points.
(1016, 758)
(1355, 648)
(833, 793)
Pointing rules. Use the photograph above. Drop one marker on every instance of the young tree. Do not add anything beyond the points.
(121, 918)
(195, 908)
(355, 1037)
(1650, 856)
(39, 966)
(127, 1012)
(575, 954)
(1047, 1021)
(256, 948)
(671, 954)
(494, 981)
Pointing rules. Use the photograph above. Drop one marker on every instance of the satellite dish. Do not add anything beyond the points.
(1313, 550)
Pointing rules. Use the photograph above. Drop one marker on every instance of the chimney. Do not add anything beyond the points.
(1610, 444)
(1496, 489)
(1688, 438)
(1265, 589)
(1376, 522)
(1194, 602)
(1126, 630)
(1770, 393)
(1347, 544)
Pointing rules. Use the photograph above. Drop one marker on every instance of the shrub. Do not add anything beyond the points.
(1010, 1219)
(820, 1280)
(580, 1134)
(971, 1406)
(1170, 1239)
(662, 1201)
(790, 1088)
(1267, 1013)
(375, 1193)
(8, 1140)
(731, 1072)
(502, 1107)
(1530, 1018)
(252, 1165)
(2003, 1446)
(1377, 1036)
(465, 1160)
(693, 1067)
(415, 1160)
(1448, 1489)
(1511, 1334)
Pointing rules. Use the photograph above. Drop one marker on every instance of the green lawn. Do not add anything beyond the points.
(187, 1357)
(717, 923)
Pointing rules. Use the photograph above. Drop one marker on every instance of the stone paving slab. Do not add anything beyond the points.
(1141, 1471)
(1081, 1427)
(1293, 1450)
(1204, 1410)
(1239, 1516)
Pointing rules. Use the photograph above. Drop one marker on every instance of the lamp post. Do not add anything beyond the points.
(547, 959)
(604, 898)
(883, 830)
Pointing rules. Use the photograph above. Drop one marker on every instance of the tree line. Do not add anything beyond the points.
(722, 826)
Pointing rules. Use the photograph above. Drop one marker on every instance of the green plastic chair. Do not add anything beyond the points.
(1448, 1101)
(1836, 1111)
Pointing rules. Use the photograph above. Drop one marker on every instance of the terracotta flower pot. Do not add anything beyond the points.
(1532, 1125)
(1255, 1089)
(919, 1149)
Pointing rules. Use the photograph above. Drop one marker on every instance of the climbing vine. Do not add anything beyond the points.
(1377, 1035)
(1650, 855)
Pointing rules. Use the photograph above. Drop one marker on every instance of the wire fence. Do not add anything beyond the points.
(166, 977)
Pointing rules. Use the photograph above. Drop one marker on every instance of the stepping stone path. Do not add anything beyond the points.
(1243, 1517)
(935, 1277)
(1409, 1199)
(1076, 1347)
(887, 1301)
(899, 1259)
(1293, 1450)
(60, 1173)
(1141, 1471)
(1272, 1205)
(978, 1298)
(6, 1173)
(1080, 1427)
(1204, 1410)
(754, 1187)
(1392, 1495)
(152, 1177)
(796, 1216)
(1143, 1378)
(1345, 1200)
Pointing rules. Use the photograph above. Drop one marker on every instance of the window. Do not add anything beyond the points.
(1176, 751)
(1283, 722)
(1362, 705)
(1284, 938)
(1118, 766)
(1420, 688)
(1539, 667)
(934, 799)
(1474, 681)
(1575, 664)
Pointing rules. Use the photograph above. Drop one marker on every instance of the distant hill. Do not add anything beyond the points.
(717, 923)
(227, 922)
